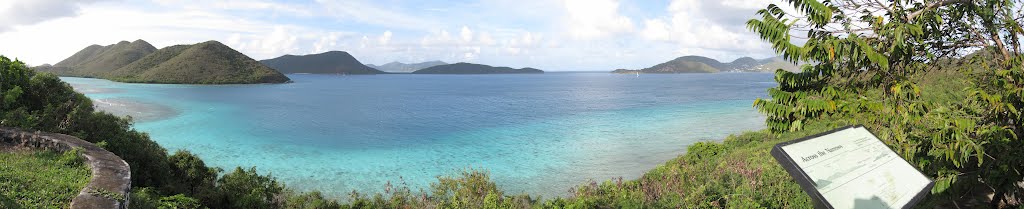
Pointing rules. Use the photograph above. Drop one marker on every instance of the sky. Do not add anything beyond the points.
(552, 35)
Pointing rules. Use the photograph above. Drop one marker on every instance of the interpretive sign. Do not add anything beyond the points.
(850, 168)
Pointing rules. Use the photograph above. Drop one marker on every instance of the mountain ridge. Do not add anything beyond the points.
(331, 62)
(209, 62)
(701, 64)
(398, 67)
(95, 60)
(472, 68)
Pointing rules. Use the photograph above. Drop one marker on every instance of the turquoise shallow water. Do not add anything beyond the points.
(540, 134)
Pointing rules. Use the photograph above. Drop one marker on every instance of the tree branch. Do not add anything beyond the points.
(933, 6)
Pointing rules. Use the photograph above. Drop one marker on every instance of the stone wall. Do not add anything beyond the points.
(111, 176)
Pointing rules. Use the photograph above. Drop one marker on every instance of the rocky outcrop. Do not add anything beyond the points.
(111, 176)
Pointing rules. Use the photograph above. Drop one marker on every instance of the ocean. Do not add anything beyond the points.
(539, 133)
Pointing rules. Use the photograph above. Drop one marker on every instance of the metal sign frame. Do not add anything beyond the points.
(807, 184)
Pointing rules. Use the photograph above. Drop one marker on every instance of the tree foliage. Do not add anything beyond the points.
(859, 46)
(247, 189)
(193, 178)
(41, 101)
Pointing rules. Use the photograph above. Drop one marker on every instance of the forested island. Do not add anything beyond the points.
(470, 68)
(332, 62)
(398, 67)
(700, 64)
(139, 62)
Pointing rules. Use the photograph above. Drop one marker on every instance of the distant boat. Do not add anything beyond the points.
(637, 73)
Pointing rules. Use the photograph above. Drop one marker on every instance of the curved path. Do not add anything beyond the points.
(111, 176)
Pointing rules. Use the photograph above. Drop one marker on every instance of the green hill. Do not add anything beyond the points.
(699, 64)
(398, 67)
(95, 60)
(770, 64)
(470, 68)
(204, 63)
(688, 64)
(332, 62)
(139, 62)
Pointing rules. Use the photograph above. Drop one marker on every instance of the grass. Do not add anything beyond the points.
(40, 179)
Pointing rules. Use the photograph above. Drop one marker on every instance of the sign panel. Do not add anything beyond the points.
(851, 168)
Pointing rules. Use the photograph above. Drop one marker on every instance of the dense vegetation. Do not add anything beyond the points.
(41, 179)
(332, 62)
(699, 64)
(868, 56)
(398, 67)
(470, 68)
(204, 63)
(40, 101)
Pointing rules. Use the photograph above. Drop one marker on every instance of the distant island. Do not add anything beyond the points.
(699, 64)
(398, 67)
(470, 68)
(332, 62)
(139, 62)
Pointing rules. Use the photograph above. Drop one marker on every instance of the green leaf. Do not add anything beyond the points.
(942, 184)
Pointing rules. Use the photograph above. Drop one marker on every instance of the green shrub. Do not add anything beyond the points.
(246, 189)
(143, 198)
(179, 201)
(311, 200)
(147, 198)
(72, 157)
(703, 151)
(190, 176)
(951, 110)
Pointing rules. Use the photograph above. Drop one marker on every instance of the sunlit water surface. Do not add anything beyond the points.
(540, 134)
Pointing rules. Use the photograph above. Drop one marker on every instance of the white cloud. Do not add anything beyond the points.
(486, 39)
(326, 43)
(656, 29)
(529, 39)
(594, 19)
(467, 35)
(262, 7)
(384, 38)
(437, 38)
(523, 44)
(567, 35)
(369, 13)
(694, 29)
(48, 42)
(27, 12)
(280, 41)
(286, 39)
(746, 4)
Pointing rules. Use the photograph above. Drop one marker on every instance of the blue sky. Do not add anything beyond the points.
(554, 35)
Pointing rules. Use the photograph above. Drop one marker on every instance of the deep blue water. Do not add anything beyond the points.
(540, 134)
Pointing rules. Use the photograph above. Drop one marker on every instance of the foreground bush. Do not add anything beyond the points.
(869, 59)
